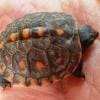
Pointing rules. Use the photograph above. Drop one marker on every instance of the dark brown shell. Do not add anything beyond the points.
(44, 58)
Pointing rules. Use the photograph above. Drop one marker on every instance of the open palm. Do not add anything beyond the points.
(71, 88)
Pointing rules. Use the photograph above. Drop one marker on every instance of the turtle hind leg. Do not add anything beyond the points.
(4, 83)
(78, 72)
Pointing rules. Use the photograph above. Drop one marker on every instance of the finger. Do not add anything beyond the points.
(84, 11)
(36, 93)
(11, 10)
(92, 64)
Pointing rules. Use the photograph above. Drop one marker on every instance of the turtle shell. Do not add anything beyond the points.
(40, 59)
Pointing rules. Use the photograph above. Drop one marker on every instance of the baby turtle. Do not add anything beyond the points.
(43, 47)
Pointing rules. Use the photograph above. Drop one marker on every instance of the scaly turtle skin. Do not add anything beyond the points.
(43, 47)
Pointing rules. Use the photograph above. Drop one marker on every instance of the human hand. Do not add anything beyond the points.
(71, 88)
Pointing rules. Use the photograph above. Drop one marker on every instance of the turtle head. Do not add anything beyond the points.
(87, 36)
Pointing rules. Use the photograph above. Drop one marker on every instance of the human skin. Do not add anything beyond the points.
(72, 88)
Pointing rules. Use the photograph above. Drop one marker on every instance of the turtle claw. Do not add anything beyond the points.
(78, 72)
(7, 84)
(4, 83)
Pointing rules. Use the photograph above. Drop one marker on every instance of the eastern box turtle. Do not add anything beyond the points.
(43, 47)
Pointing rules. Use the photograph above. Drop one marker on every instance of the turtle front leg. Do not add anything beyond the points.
(4, 82)
(78, 72)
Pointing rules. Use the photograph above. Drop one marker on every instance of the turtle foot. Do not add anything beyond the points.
(4, 83)
(78, 72)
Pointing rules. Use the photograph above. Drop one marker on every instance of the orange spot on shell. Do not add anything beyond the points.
(39, 65)
(26, 33)
(1, 70)
(1, 44)
(59, 60)
(12, 37)
(22, 64)
(60, 31)
(41, 31)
